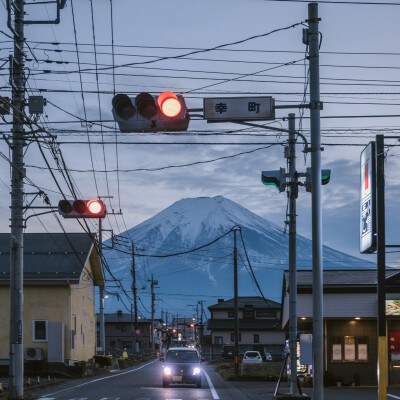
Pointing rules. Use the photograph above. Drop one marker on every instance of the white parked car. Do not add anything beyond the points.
(252, 357)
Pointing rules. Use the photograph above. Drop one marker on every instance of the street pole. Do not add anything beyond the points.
(16, 369)
(381, 261)
(315, 107)
(101, 293)
(291, 156)
(201, 324)
(236, 306)
(134, 290)
(153, 297)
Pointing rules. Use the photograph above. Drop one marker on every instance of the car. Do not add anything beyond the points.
(252, 357)
(181, 365)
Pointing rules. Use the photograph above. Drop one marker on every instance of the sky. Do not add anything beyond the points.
(359, 87)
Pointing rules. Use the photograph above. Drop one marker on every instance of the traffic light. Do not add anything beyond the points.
(148, 113)
(325, 178)
(275, 178)
(82, 209)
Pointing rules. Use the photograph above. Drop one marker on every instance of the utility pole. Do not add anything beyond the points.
(134, 290)
(236, 305)
(101, 293)
(16, 371)
(381, 261)
(315, 107)
(293, 193)
(201, 323)
(153, 298)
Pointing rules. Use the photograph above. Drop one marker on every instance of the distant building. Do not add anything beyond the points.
(119, 331)
(350, 322)
(259, 325)
(60, 272)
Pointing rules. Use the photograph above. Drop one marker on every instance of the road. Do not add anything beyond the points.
(144, 383)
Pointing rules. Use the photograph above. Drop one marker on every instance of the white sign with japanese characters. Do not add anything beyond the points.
(239, 108)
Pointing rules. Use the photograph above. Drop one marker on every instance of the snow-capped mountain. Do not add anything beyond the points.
(208, 272)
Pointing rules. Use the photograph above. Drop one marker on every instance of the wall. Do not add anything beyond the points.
(40, 302)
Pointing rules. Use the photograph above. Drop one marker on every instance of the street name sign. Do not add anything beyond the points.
(225, 109)
(367, 200)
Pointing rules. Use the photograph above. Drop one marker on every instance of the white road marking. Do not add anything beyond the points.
(213, 391)
(392, 395)
(99, 379)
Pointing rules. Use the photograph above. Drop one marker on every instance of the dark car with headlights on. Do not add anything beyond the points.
(182, 366)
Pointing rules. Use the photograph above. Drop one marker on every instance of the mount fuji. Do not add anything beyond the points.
(207, 273)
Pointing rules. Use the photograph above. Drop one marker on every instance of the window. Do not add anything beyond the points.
(349, 349)
(248, 312)
(90, 289)
(233, 337)
(218, 340)
(259, 314)
(256, 338)
(40, 330)
(83, 339)
(268, 314)
(231, 314)
(83, 302)
(91, 326)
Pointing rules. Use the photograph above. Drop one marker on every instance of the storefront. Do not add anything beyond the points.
(350, 323)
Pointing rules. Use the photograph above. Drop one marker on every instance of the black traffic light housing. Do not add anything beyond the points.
(148, 113)
(325, 178)
(82, 209)
(275, 178)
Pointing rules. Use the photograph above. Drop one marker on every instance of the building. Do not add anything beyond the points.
(259, 325)
(350, 321)
(119, 328)
(60, 272)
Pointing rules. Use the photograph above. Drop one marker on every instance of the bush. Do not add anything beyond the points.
(103, 360)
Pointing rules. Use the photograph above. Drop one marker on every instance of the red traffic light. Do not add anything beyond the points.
(82, 209)
(169, 104)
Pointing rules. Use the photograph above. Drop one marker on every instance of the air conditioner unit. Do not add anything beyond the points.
(33, 353)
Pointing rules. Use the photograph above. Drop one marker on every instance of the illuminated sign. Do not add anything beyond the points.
(393, 307)
(367, 200)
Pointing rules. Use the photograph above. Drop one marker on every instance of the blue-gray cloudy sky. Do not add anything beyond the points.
(359, 77)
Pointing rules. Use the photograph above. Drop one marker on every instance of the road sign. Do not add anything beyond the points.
(367, 200)
(218, 109)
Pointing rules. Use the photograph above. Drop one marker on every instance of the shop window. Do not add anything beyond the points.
(233, 337)
(349, 349)
(231, 314)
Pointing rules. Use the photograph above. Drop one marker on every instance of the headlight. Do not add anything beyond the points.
(196, 371)
(167, 371)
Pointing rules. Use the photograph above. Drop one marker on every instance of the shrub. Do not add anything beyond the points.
(103, 360)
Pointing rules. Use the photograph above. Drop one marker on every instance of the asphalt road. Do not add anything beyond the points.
(144, 383)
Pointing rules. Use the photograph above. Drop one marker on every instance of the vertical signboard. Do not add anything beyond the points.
(367, 200)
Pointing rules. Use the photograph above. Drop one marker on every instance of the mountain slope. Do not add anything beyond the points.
(191, 223)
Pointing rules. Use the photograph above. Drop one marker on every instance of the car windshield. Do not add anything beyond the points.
(252, 354)
(182, 356)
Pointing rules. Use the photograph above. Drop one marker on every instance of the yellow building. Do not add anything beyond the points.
(60, 272)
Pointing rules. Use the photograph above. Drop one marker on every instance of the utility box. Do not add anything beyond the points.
(36, 104)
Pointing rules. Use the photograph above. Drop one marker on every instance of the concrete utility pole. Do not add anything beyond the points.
(134, 291)
(293, 193)
(201, 322)
(153, 297)
(16, 371)
(101, 293)
(315, 107)
(381, 265)
(236, 305)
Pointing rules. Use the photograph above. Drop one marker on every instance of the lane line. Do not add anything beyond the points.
(99, 379)
(392, 395)
(212, 388)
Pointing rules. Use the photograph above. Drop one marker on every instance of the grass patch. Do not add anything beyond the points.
(267, 371)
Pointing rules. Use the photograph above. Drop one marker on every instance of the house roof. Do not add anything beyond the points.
(52, 258)
(255, 301)
(345, 278)
(250, 324)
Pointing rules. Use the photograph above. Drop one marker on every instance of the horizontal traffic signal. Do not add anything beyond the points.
(147, 113)
(275, 178)
(325, 178)
(82, 209)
